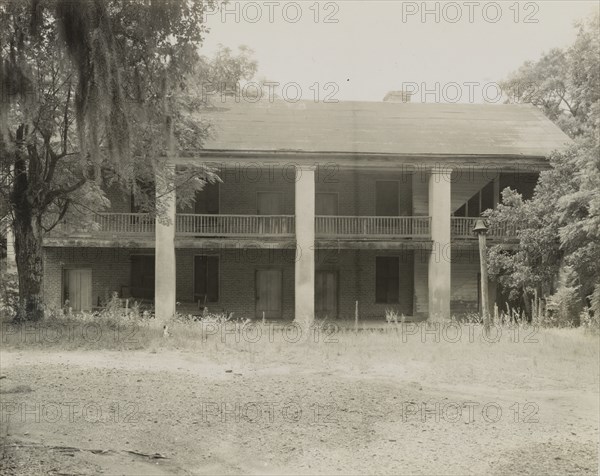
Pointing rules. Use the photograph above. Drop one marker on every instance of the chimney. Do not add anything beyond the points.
(397, 96)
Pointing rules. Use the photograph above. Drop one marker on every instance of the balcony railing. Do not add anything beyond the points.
(373, 227)
(463, 228)
(235, 225)
(109, 224)
(349, 227)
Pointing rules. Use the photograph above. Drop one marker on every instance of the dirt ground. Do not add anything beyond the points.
(182, 412)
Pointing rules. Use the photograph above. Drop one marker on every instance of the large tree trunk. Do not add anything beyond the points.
(26, 197)
(30, 267)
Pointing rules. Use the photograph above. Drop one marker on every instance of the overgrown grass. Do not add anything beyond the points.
(449, 353)
(449, 350)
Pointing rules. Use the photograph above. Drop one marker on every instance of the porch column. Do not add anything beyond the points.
(305, 245)
(439, 260)
(164, 281)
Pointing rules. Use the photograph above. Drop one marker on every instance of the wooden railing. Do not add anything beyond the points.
(379, 227)
(463, 228)
(109, 223)
(235, 225)
(126, 223)
(282, 225)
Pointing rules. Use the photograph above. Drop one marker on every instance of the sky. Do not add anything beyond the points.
(360, 50)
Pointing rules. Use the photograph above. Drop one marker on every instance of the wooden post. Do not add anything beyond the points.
(356, 317)
(484, 281)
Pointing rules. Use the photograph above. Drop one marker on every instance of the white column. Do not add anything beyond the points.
(165, 281)
(439, 261)
(305, 242)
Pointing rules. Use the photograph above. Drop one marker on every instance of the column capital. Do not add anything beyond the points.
(306, 167)
(440, 169)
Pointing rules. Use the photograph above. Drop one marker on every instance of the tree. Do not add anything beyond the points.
(560, 225)
(91, 96)
(564, 84)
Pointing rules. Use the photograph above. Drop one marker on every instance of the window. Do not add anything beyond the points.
(387, 199)
(326, 204)
(387, 279)
(142, 276)
(206, 279)
(269, 203)
(207, 200)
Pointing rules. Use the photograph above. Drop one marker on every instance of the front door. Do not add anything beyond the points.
(78, 289)
(269, 293)
(326, 294)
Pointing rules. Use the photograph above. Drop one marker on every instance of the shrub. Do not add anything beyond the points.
(9, 294)
(565, 305)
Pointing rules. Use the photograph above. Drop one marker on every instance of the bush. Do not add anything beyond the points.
(590, 316)
(565, 305)
(9, 294)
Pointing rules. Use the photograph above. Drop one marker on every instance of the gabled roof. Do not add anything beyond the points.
(383, 128)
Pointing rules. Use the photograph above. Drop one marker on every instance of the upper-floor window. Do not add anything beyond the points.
(207, 200)
(393, 198)
(269, 203)
(326, 204)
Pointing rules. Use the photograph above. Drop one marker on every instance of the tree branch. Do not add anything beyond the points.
(61, 215)
(54, 194)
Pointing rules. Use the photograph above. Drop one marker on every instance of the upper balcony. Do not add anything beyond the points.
(372, 228)
(253, 226)
(137, 226)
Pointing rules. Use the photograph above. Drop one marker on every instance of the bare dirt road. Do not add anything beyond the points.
(175, 412)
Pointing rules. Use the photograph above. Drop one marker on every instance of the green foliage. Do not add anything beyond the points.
(560, 225)
(564, 84)
(9, 294)
(97, 95)
(564, 306)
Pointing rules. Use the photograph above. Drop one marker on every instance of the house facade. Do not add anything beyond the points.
(321, 208)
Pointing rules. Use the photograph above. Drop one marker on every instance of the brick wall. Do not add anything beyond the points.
(110, 270)
(237, 270)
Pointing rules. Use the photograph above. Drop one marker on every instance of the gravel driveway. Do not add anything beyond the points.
(173, 412)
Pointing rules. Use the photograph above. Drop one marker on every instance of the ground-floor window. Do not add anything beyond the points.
(326, 294)
(394, 282)
(269, 293)
(206, 279)
(142, 276)
(387, 279)
(78, 289)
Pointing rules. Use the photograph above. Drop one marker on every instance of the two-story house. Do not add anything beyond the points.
(320, 206)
